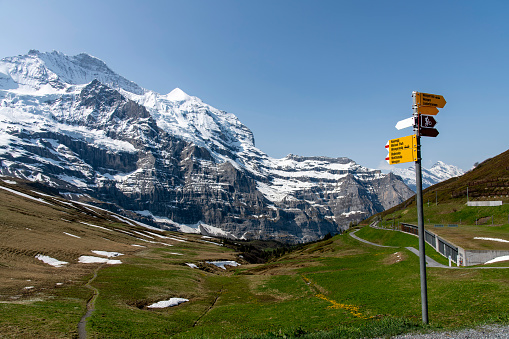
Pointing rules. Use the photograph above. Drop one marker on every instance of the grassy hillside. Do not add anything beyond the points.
(337, 288)
(445, 203)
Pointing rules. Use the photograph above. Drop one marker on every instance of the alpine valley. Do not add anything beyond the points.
(71, 123)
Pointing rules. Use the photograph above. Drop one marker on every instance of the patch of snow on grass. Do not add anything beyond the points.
(502, 258)
(104, 228)
(50, 261)
(88, 259)
(176, 239)
(223, 264)
(143, 234)
(191, 265)
(72, 235)
(154, 242)
(157, 235)
(25, 195)
(491, 239)
(211, 242)
(168, 303)
(107, 254)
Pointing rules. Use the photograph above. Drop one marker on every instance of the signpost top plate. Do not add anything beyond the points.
(427, 99)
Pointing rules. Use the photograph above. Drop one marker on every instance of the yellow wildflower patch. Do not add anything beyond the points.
(354, 310)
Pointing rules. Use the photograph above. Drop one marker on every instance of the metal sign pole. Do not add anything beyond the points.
(420, 217)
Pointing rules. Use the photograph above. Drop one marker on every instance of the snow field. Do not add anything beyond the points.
(51, 261)
(168, 303)
(223, 264)
(84, 259)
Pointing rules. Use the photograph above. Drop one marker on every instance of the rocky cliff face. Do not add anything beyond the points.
(74, 124)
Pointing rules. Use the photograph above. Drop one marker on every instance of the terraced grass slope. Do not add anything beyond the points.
(337, 288)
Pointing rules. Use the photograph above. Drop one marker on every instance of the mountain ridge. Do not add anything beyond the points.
(171, 155)
(439, 172)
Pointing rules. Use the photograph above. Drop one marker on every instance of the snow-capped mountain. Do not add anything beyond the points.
(73, 123)
(437, 173)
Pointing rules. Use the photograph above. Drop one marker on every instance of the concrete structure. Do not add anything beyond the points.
(458, 255)
(477, 257)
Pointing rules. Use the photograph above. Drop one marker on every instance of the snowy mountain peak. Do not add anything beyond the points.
(177, 95)
(36, 70)
(439, 172)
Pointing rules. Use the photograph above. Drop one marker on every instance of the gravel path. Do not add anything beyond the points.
(484, 332)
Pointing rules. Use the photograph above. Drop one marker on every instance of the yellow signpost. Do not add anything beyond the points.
(402, 150)
(433, 100)
(408, 149)
(427, 110)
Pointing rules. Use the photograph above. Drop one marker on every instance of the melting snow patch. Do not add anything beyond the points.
(25, 195)
(157, 235)
(143, 234)
(51, 261)
(10, 182)
(154, 242)
(211, 242)
(222, 264)
(503, 258)
(107, 254)
(104, 228)
(88, 259)
(176, 239)
(168, 303)
(491, 239)
(191, 265)
(72, 235)
(122, 220)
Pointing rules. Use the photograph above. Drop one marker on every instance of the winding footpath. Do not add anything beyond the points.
(82, 332)
(429, 262)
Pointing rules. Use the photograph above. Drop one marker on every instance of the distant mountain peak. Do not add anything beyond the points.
(60, 71)
(178, 95)
(439, 172)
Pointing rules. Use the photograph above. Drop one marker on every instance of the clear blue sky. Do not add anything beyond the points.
(307, 77)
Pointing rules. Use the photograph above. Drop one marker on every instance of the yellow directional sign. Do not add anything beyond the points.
(402, 150)
(433, 100)
(428, 110)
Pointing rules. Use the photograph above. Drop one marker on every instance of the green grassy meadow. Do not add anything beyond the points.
(335, 288)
